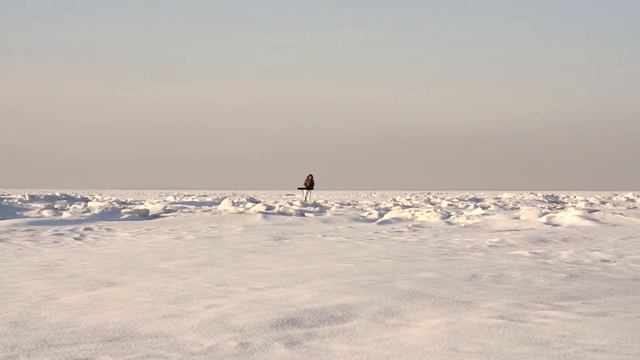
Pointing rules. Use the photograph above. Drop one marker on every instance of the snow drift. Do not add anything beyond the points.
(553, 209)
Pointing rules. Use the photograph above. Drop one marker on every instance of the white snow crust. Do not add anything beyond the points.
(350, 275)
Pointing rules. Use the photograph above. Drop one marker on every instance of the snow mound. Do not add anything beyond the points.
(251, 205)
(569, 217)
(411, 214)
(530, 214)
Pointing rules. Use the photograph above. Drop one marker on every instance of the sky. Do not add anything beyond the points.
(366, 95)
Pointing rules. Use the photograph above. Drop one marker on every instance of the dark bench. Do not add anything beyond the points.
(306, 193)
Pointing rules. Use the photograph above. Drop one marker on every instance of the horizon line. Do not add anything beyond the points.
(328, 190)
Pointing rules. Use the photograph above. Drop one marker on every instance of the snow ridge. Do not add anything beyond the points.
(553, 209)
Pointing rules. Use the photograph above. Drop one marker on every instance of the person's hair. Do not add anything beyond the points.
(310, 175)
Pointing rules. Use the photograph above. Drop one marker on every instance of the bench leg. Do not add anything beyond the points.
(306, 195)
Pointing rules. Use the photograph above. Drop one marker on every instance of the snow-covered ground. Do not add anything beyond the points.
(352, 275)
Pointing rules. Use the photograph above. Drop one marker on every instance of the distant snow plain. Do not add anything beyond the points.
(351, 275)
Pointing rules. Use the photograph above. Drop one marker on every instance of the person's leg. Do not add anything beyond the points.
(304, 195)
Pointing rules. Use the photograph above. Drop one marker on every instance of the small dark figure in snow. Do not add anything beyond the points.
(308, 186)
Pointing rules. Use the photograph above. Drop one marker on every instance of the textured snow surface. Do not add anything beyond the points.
(379, 208)
(351, 275)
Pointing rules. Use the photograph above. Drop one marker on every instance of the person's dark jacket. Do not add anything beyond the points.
(309, 183)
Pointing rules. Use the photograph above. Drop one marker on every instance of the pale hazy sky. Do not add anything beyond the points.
(448, 94)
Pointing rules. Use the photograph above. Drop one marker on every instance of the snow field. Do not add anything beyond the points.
(260, 275)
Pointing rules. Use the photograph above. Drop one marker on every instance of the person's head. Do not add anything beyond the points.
(310, 176)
